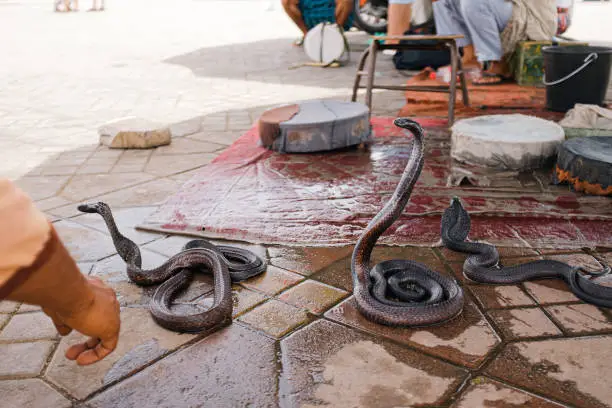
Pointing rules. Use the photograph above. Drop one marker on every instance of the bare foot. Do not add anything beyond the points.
(490, 78)
(496, 73)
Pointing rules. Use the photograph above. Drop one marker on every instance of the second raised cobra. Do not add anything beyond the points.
(401, 292)
(227, 264)
(482, 265)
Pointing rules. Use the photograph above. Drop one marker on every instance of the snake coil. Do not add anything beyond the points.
(227, 264)
(401, 292)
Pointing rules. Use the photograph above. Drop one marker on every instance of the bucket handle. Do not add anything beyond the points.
(592, 57)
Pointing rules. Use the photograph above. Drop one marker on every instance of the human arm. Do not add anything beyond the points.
(36, 268)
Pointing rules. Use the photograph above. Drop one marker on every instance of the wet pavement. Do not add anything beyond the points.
(296, 339)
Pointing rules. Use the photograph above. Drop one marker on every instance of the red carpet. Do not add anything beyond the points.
(484, 100)
(253, 194)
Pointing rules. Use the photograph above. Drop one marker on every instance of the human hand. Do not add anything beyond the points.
(99, 319)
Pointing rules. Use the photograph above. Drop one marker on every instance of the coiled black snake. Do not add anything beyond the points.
(482, 265)
(227, 264)
(401, 292)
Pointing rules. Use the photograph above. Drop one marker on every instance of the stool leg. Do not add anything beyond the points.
(371, 71)
(360, 66)
(453, 84)
(464, 89)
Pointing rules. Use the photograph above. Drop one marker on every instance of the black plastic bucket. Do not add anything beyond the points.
(576, 74)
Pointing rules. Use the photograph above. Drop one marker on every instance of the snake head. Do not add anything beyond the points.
(455, 203)
(410, 125)
(96, 208)
(456, 222)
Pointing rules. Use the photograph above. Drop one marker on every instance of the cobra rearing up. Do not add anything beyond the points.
(401, 292)
(227, 264)
(482, 265)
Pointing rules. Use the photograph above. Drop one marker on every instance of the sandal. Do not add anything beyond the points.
(299, 42)
(499, 79)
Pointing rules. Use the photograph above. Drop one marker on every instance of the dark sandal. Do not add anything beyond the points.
(490, 75)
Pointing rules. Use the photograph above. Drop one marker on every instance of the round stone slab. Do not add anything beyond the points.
(506, 142)
(314, 126)
(586, 163)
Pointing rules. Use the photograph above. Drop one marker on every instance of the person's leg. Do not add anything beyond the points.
(292, 8)
(344, 8)
(486, 19)
(450, 21)
(399, 15)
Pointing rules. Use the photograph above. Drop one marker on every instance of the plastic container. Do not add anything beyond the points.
(577, 74)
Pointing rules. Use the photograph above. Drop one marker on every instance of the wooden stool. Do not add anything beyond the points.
(441, 42)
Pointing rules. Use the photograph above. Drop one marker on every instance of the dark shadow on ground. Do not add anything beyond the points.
(270, 61)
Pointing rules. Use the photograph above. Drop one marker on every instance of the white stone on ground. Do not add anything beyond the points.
(134, 133)
(506, 142)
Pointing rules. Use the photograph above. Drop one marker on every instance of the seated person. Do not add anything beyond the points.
(308, 13)
(399, 17)
(402, 13)
(492, 28)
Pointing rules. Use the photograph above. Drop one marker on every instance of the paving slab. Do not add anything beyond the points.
(25, 308)
(581, 318)
(484, 392)
(4, 318)
(84, 244)
(141, 341)
(306, 261)
(234, 367)
(550, 291)
(524, 322)
(273, 281)
(563, 369)
(501, 296)
(24, 359)
(29, 327)
(127, 219)
(39, 188)
(313, 296)
(31, 393)
(275, 318)
(6, 306)
(465, 340)
(148, 194)
(358, 370)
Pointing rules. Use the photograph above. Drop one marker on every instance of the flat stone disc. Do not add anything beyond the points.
(586, 164)
(314, 126)
(506, 142)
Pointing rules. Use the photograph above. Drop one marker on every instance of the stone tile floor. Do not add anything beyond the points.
(297, 339)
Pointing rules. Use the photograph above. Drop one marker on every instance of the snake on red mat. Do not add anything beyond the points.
(227, 264)
(482, 264)
(401, 292)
